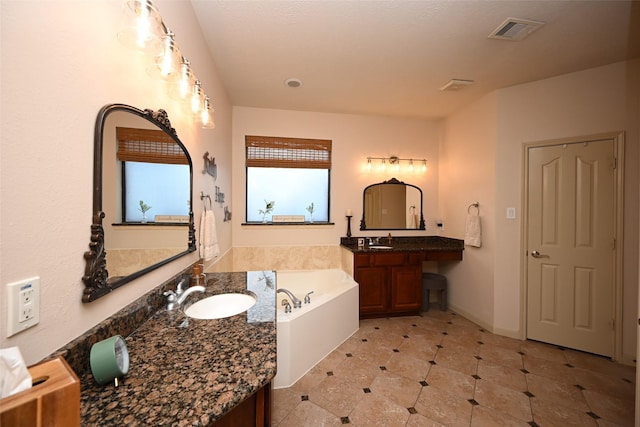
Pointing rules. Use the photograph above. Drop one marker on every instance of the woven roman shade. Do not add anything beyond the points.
(276, 152)
(148, 146)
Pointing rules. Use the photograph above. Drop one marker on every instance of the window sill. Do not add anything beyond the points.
(287, 224)
(149, 224)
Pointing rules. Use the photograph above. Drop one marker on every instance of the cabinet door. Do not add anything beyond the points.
(373, 289)
(406, 288)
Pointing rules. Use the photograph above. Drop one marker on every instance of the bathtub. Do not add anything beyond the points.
(308, 334)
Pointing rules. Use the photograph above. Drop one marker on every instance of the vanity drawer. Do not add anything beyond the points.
(443, 256)
(362, 260)
(390, 258)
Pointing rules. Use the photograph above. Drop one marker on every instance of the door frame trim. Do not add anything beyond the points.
(618, 142)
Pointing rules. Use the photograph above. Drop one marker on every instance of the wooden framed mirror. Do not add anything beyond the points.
(120, 242)
(392, 205)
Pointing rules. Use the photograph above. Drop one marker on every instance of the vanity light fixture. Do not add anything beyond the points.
(144, 29)
(395, 161)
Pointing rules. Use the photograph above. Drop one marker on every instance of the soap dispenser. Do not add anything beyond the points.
(197, 274)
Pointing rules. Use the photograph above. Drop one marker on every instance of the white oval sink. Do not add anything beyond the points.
(380, 247)
(220, 306)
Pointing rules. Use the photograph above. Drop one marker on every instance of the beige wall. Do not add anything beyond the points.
(354, 139)
(467, 175)
(604, 99)
(61, 62)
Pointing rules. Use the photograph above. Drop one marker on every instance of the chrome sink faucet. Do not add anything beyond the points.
(177, 297)
(296, 302)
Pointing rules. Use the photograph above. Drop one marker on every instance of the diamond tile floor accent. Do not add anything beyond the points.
(440, 369)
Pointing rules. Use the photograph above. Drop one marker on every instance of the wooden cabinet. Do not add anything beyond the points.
(390, 283)
(254, 411)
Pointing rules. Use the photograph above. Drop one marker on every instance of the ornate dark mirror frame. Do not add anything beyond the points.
(394, 181)
(96, 275)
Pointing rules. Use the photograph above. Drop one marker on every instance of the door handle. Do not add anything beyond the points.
(537, 254)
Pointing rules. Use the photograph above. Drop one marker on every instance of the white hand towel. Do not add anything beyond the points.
(208, 236)
(473, 231)
(413, 221)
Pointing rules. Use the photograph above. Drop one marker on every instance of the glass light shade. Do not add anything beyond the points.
(369, 164)
(196, 98)
(424, 166)
(383, 166)
(166, 63)
(182, 87)
(206, 115)
(141, 25)
(410, 165)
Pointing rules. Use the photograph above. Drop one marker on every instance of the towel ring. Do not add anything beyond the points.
(205, 196)
(474, 205)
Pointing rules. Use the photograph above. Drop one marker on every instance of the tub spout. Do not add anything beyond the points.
(296, 302)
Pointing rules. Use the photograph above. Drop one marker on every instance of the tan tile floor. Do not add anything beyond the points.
(442, 370)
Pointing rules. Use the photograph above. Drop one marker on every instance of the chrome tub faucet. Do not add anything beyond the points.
(296, 302)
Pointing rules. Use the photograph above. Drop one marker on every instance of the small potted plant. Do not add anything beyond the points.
(144, 208)
(268, 208)
(310, 209)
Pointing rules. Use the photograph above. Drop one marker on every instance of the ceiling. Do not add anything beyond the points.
(392, 57)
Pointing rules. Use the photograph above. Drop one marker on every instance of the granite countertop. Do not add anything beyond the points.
(186, 371)
(404, 244)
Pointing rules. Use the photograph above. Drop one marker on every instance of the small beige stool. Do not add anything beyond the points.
(434, 282)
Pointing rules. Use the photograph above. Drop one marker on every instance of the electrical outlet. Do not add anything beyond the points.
(23, 305)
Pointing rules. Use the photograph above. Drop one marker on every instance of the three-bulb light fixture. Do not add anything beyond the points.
(143, 29)
(394, 163)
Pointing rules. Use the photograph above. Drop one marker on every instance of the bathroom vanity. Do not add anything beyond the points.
(185, 371)
(390, 277)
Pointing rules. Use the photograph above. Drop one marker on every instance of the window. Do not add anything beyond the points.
(155, 170)
(293, 173)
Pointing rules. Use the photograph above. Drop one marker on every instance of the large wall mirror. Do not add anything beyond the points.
(142, 207)
(392, 205)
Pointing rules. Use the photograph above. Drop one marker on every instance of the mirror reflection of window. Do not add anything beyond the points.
(159, 185)
(155, 171)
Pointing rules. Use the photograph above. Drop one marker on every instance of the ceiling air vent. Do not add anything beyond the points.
(456, 84)
(515, 29)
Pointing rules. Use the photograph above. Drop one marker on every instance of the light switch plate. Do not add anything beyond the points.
(511, 213)
(23, 305)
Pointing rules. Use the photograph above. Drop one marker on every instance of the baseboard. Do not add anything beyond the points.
(498, 331)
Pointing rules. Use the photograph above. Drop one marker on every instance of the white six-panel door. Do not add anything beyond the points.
(570, 238)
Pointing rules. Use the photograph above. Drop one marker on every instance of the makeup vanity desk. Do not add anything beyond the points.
(390, 280)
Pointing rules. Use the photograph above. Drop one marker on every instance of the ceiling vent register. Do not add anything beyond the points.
(515, 29)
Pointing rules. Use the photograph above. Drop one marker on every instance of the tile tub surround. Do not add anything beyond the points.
(182, 373)
(406, 243)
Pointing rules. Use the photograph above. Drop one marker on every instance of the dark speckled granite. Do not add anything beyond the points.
(407, 243)
(184, 372)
